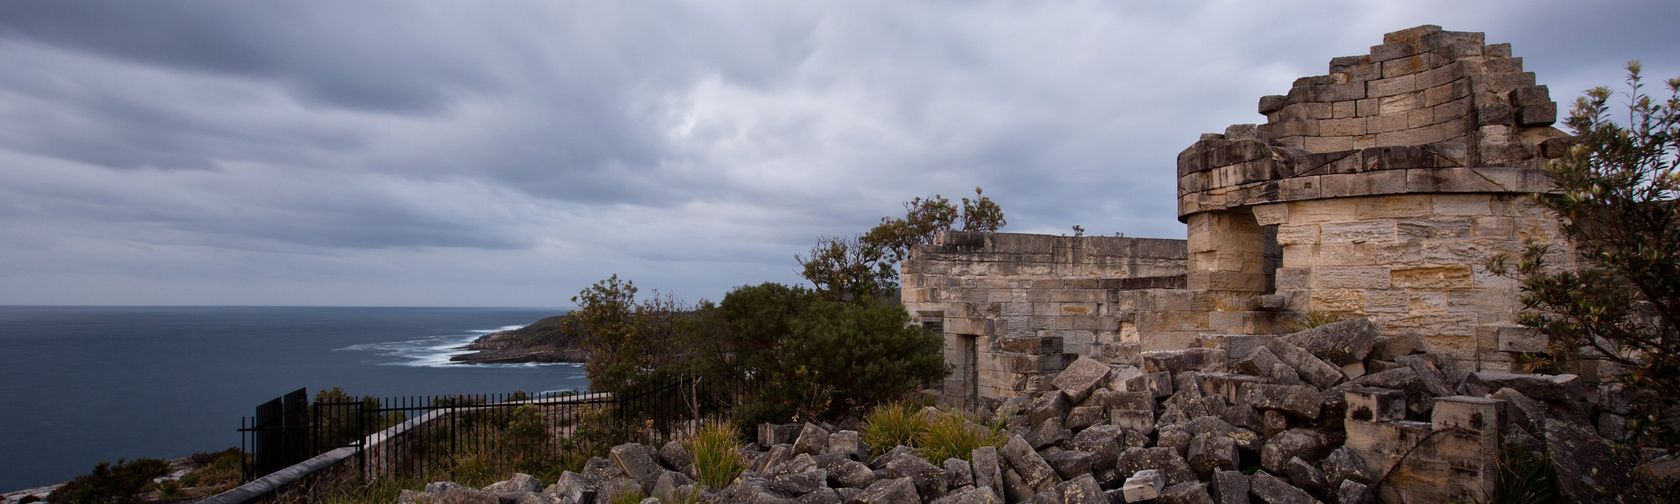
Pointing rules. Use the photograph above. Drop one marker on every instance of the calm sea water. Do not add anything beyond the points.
(79, 385)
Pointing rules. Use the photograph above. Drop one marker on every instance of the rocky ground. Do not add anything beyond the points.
(1258, 419)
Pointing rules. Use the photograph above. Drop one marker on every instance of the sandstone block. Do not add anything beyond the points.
(1559, 388)
(1209, 453)
(1271, 490)
(1296, 400)
(1340, 343)
(1143, 485)
(987, 471)
(1070, 464)
(812, 439)
(1029, 465)
(639, 462)
(889, 491)
(1166, 460)
(1230, 487)
(1315, 371)
(977, 495)
(1080, 378)
(1304, 443)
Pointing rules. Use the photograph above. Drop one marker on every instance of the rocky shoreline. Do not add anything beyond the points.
(540, 342)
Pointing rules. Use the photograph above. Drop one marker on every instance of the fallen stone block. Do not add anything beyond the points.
(850, 474)
(847, 443)
(1344, 465)
(1047, 407)
(1429, 375)
(1305, 475)
(929, 479)
(519, 483)
(1340, 343)
(1178, 361)
(1587, 469)
(1124, 378)
(1166, 460)
(1262, 363)
(1029, 465)
(1304, 443)
(1210, 453)
(1081, 377)
(1315, 371)
(1102, 442)
(976, 495)
(988, 473)
(812, 439)
(674, 486)
(1081, 490)
(1272, 490)
(638, 461)
(1564, 388)
(1353, 492)
(1081, 417)
(889, 491)
(1185, 493)
(958, 473)
(1047, 433)
(1297, 400)
(1230, 487)
(1015, 488)
(1143, 485)
(571, 487)
(795, 484)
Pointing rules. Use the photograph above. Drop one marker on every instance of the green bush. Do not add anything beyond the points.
(119, 484)
(716, 457)
(847, 358)
(890, 425)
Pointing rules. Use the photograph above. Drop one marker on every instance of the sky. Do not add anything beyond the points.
(511, 153)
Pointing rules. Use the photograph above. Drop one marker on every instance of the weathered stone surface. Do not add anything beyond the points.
(799, 463)
(958, 473)
(1186, 493)
(880, 461)
(1047, 433)
(1265, 364)
(1081, 490)
(1125, 378)
(820, 496)
(1102, 442)
(1029, 465)
(1069, 464)
(1166, 460)
(1271, 490)
(812, 439)
(598, 470)
(617, 488)
(673, 486)
(799, 483)
(1081, 377)
(676, 456)
(519, 483)
(847, 443)
(1272, 423)
(1557, 388)
(889, 491)
(1353, 492)
(987, 470)
(639, 462)
(1305, 475)
(1209, 453)
(1340, 343)
(1430, 376)
(1590, 472)
(1230, 487)
(1143, 485)
(1081, 417)
(1178, 361)
(571, 487)
(977, 495)
(1047, 407)
(1297, 400)
(1313, 370)
(1291, 443)
(1343, 464)
(1015, 488)
(1135, 410)
(929, 479)
(455, 493)
(774, 434)
(850, 474)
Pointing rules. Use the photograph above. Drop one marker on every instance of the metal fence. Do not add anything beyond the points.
(415, 435)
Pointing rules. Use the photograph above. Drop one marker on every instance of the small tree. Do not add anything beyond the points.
(1616, 196)
(866, 267)
(844, 269)
(628, 340)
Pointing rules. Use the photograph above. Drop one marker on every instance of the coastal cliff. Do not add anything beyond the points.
(542, 341)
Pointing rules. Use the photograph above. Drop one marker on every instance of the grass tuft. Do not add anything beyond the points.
(952, 435)
(716, 457)
(890, 425)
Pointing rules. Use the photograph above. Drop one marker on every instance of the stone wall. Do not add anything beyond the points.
(1014, 308)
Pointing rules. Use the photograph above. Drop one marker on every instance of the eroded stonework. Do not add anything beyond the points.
(1378, 190)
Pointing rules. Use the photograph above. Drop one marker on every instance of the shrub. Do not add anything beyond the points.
(849, 357)
(952, 435)
(716, 457)
(1617, 192)
(120, 483)
(892, 424)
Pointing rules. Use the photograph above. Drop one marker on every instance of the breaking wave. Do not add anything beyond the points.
(435, 351)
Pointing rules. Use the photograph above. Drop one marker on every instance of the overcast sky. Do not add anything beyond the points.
(510, 153)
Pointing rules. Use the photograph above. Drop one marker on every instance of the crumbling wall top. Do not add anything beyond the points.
(1427, 111)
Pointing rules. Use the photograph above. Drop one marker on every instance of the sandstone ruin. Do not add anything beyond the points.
(1378, 190)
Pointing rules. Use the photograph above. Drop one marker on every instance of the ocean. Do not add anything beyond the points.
(80, 385)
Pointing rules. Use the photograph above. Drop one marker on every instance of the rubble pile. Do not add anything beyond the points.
(1337, 413)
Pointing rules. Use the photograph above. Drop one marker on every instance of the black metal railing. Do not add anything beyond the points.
(418, 435)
